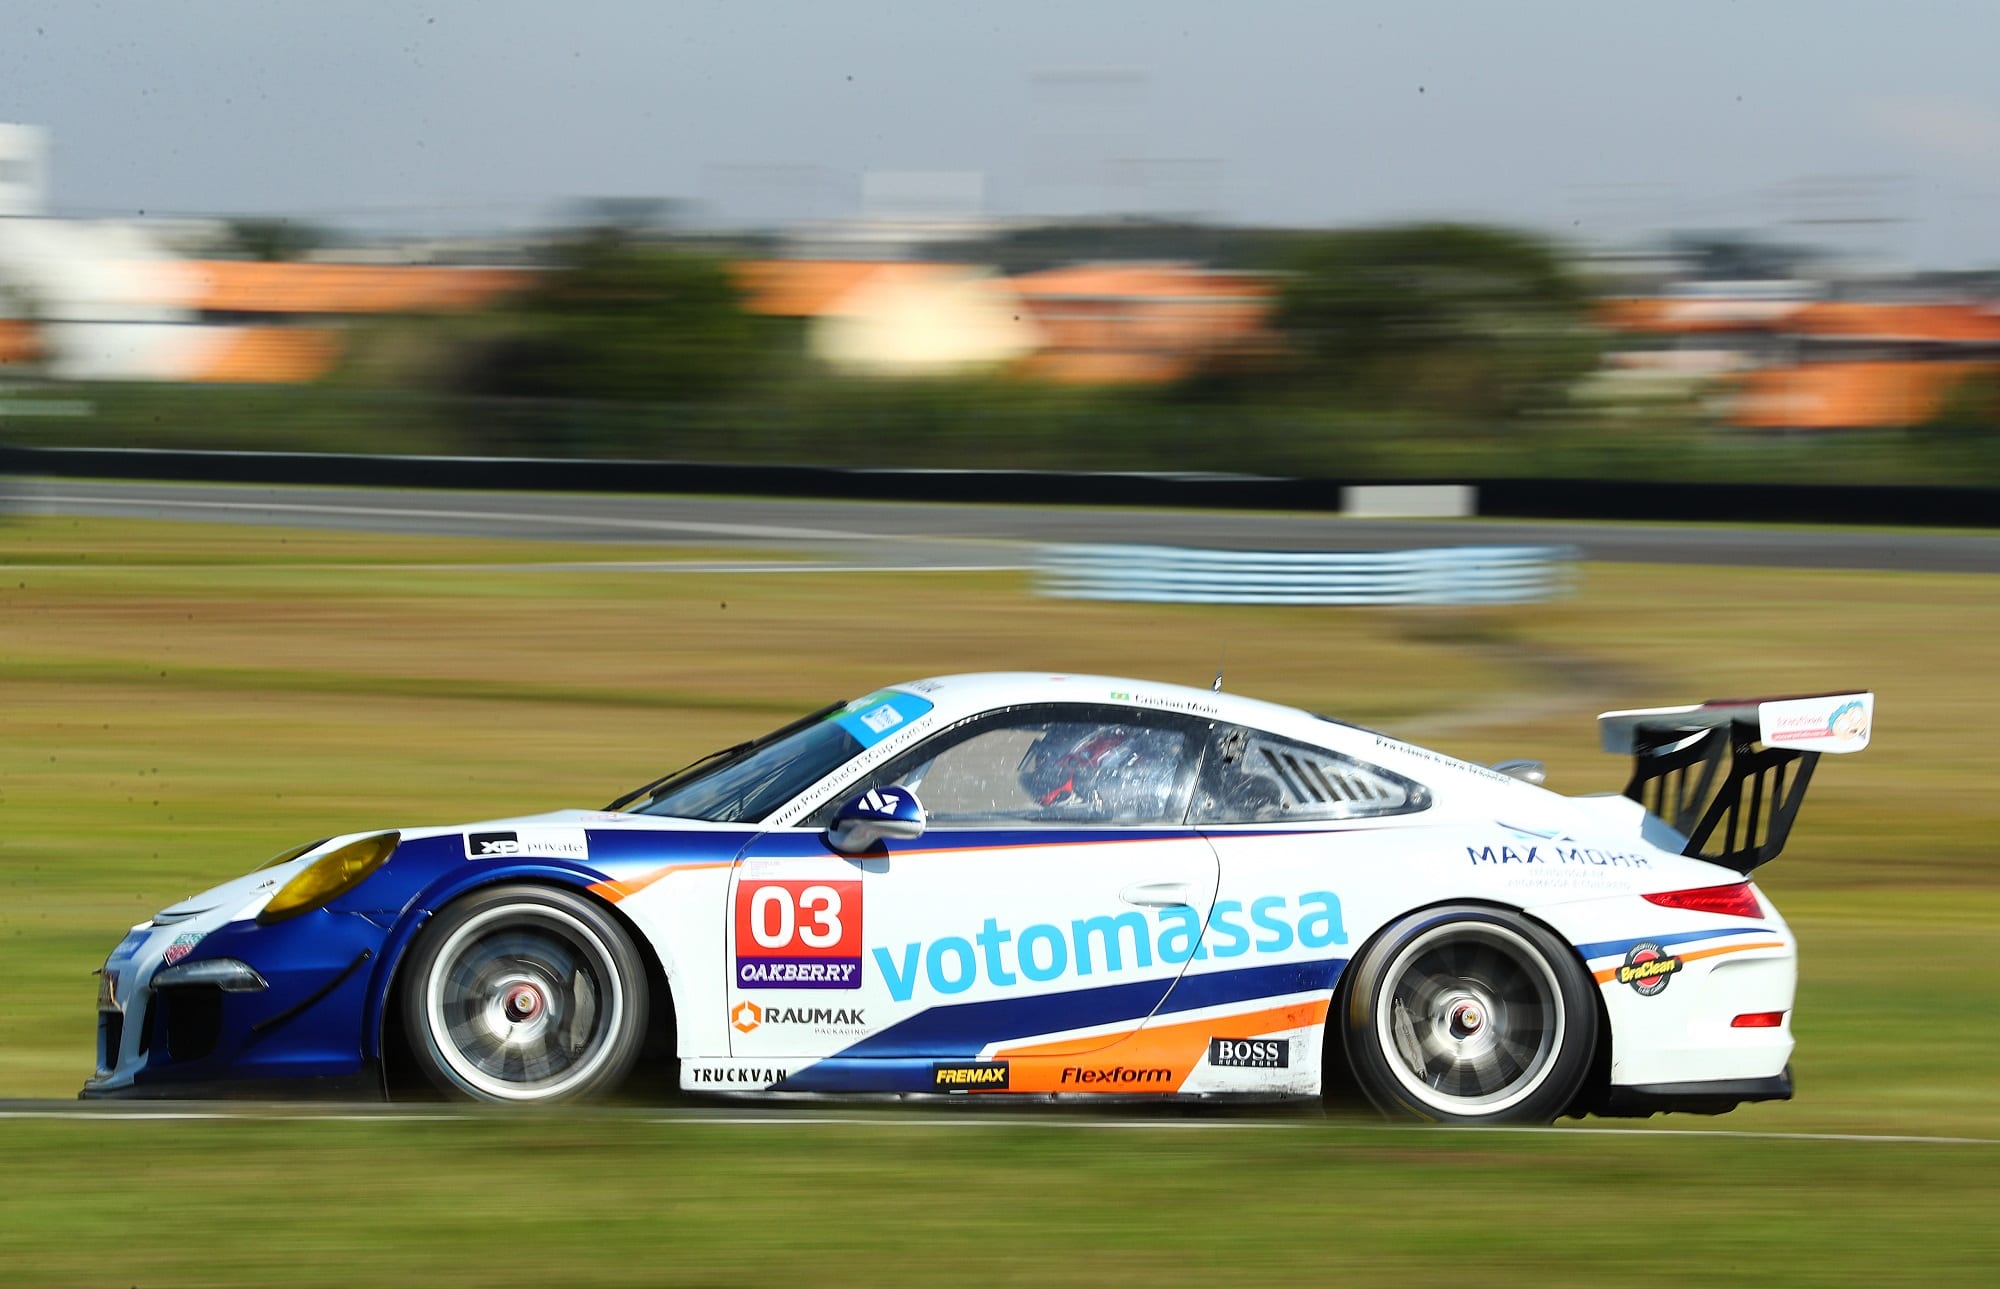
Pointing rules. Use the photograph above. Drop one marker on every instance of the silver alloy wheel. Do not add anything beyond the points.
(524, 1002)
(1471, 1019)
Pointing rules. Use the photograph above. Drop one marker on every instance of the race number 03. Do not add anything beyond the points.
(774, 916)
(804, 919)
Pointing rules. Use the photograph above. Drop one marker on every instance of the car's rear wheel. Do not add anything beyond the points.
(1470, 1015)
(525, 994)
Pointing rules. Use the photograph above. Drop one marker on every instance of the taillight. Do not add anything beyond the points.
(1736, 900)
(1758, 1020)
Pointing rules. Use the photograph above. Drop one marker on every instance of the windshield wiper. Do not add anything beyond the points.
(724, 757)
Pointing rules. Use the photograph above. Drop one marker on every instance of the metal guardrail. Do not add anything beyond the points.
(1184, 575)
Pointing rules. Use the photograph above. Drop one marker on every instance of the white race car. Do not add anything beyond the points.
(1033, 886)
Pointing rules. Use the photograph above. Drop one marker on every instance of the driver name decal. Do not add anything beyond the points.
(798, 935)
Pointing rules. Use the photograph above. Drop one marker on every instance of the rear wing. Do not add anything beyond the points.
(1738, 815)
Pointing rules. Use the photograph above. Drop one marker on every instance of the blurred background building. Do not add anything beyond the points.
(1403, 349)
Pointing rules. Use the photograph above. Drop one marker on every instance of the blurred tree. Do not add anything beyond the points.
(1742, 257)
(1046, 246)
(260, 238)
(1963, 435)
(1970, 407)
(622, 322)
(1444, 318)
(631, 219)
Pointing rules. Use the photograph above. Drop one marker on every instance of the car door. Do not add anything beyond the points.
(1043, 916)
(1310, 841)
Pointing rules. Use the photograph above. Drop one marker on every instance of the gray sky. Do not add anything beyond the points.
(1597, 119)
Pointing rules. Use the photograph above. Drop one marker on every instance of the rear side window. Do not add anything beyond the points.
(1251, 777)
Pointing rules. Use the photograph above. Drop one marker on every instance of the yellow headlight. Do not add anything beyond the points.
(330, 876)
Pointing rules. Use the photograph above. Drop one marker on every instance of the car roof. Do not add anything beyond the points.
(968, 694)
(958, 697)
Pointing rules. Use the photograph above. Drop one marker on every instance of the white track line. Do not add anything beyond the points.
(1856, 1137)
(777, 531)
(565, 566)
(954, 1120)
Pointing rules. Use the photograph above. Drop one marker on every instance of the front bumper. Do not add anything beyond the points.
(302, 1029)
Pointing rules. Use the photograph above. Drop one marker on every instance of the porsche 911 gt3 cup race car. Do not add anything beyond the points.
(1033, 886)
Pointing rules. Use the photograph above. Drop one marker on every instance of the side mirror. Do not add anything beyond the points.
(1525, 770)
(874, 815)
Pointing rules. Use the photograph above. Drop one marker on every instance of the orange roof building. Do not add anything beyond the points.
(1938, 324)
(18, 342)
(1827, 364)
(1085, 324)
(1847, 395)
(1139, 323)
(293, 288)
(268, 322)
(266, 356)
(816, 288)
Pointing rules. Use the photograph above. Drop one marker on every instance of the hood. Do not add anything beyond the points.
(239, 893)
(235, 893)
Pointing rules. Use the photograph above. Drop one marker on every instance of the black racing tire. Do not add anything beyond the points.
(1464, 1014)
(525, 995)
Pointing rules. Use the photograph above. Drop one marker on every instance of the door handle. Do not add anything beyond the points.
(1156, 895)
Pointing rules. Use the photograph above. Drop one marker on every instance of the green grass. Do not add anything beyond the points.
(179, 701)
(596, 1199)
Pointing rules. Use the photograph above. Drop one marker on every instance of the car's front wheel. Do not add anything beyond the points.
(1467, 1014)
(525, 994)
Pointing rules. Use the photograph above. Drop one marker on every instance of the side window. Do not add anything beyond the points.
(1049, 766)
(1252, 778)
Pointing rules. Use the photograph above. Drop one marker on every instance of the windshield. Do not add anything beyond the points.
(747, 782)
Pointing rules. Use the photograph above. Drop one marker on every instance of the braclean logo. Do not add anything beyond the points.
(1647, 968)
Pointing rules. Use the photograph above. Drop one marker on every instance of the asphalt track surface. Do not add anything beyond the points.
(929, 535)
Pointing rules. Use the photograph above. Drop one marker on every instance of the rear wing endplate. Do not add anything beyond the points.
(1738, 815)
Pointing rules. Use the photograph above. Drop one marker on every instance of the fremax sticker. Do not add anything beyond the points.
(968, 1075)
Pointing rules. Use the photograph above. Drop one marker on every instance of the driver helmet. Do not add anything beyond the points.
(1109, 769)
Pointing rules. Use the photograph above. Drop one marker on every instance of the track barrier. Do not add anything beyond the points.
(1184, 575)
(1508, 498)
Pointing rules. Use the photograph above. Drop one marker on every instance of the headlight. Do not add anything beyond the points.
(226, 974)
(329, 877)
